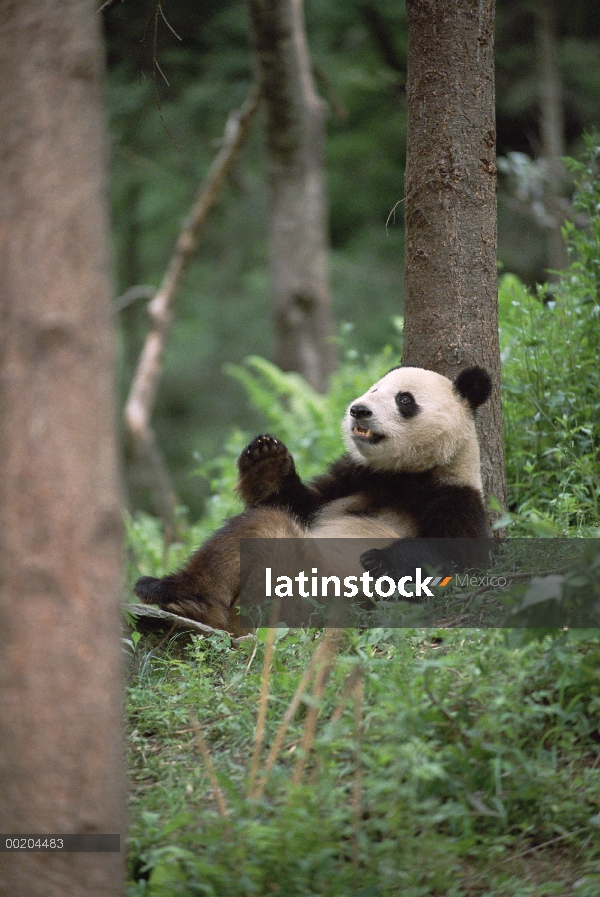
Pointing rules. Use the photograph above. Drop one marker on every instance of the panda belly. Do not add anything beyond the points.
(338, 521)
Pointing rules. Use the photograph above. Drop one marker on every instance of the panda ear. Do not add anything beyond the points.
(475, 385)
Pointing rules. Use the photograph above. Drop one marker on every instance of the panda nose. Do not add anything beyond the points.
(360, 411)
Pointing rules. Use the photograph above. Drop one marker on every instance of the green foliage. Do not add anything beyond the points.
(309, 424)
(223, 311)
(583, 276)
(147, 554)
(476, 767)
(570, 597)
(470, 752)
(551, 377)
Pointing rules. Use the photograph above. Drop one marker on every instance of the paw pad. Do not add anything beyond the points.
(264, 448)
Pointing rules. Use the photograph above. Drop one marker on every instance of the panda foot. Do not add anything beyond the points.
(263, 465)
(372, 560)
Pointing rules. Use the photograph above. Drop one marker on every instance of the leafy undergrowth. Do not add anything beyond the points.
(440, 762)
(413, 762)
(550, 342)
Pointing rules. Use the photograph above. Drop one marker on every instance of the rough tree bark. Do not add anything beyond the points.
(61, 753)
(295, 115)
(451, 298)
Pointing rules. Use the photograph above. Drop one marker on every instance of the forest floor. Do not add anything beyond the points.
(415, 761)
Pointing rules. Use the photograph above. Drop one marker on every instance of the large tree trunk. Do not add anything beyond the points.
(304, 327)
(61, 757)
(451, 301)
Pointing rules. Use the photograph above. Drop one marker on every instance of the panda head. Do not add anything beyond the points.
(415, 420)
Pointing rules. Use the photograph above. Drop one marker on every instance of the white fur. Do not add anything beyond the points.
(336, 521)
(441, 437)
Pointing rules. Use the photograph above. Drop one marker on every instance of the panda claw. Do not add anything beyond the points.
(266, 448)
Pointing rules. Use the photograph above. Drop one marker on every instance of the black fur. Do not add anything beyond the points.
(439, 511)
(475, 385)
(407, 405)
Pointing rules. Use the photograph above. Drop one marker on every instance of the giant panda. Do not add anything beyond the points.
(411, 470)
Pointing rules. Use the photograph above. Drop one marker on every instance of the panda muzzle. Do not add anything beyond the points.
(364, 434)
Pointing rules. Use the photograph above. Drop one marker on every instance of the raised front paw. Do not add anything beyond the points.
(263, 465)
(266, 450)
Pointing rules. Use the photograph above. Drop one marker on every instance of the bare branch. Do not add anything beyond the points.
(156, 68)
(210, 769)
(155, 619)
(142, 394)
(310, 723)
(168, 24)
(164, 77)
(106, 7)
(338, 108)
(317, 659)
(357, 778)
(133, 294)
(383, 39)
(259, 733)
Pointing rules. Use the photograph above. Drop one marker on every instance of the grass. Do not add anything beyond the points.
(414, 763)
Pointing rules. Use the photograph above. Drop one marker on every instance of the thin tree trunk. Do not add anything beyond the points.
(61, 753)
(552, 129)
(304, 326)
(451, 301)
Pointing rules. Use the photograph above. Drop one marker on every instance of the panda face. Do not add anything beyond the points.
(415, 420)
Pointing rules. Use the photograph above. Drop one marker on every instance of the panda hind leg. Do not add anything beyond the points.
(207, 587)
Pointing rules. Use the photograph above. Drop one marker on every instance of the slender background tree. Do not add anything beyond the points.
(295, 128)
(61, 754)
(451, 294)
(552, 132)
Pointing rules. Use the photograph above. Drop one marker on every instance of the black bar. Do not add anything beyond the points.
(88, 843)
(506, 583)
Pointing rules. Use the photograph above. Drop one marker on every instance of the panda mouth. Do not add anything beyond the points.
(363, 434)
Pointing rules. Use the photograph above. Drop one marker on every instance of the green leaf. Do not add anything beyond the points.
(542, 589)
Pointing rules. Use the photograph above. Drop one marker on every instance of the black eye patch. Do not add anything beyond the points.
(406, 404)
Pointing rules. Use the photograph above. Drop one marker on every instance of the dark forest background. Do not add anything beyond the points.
(172, 82)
